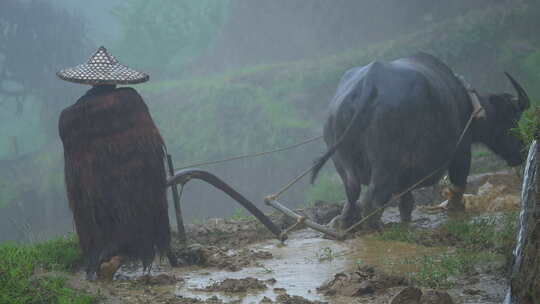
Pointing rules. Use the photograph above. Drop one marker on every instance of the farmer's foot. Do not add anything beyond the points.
(436, 208)
(455, 200)
(108, 269)
(454, 203)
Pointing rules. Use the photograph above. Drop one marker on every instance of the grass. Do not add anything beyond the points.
(399, 233)
(495, 233)
(476, 241)
(441, 271)
(18, 264)
(239, 215)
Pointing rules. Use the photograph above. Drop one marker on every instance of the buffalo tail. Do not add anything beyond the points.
(319, 162)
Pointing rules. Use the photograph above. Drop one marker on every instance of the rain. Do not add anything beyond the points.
(242, 93)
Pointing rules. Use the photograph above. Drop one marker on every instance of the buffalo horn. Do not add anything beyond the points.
(523, 100)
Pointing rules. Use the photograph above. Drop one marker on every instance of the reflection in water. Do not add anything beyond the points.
(304, 264)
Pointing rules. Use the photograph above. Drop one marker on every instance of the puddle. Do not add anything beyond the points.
(303, 264)
(299, 267)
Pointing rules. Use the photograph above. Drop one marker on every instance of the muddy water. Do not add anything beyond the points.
(297, 267)
(303, 264)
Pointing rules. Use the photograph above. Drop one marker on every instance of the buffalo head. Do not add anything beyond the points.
(504, 112)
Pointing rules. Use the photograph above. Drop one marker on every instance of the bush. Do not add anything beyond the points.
(528, 125)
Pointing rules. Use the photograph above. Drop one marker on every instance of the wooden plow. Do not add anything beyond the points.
(182, 177)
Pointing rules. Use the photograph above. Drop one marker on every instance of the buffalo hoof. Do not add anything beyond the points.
(340, 223)
(335, 223)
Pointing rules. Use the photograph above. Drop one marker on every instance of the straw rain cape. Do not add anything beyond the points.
(115, 176)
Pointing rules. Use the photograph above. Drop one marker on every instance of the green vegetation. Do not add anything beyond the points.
(440, 271)
(400, 233)
(239, 214)
(482, 233)
(257, 107)
(327, 188)
(482, 240)
(182, 29)
(529, 124)
(18, 264)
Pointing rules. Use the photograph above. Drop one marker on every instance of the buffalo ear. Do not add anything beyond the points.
(522, 99)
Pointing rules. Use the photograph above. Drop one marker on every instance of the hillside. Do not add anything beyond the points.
(266, 106)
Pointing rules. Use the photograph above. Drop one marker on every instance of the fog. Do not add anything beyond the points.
(227, 78)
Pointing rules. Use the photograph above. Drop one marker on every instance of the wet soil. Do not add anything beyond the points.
(237, 233)
(219, 257)
(364, 281)
(238, 261)
(236, 285)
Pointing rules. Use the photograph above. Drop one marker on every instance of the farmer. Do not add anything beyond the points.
(114, 169)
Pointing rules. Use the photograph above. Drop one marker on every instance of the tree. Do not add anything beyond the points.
(36, 40)
(168, 34)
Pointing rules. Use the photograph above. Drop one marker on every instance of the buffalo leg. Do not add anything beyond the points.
(376, 196)
(406, 206)
(350, 211)
(457, 173)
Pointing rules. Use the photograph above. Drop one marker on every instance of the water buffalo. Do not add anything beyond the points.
(393, 123)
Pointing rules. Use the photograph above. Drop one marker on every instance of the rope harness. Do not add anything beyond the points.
(272, 199)
(213, 162)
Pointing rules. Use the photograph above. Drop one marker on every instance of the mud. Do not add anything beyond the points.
(236, 285)
(238, 261)
(238, 233)
(288, 299)
(505, 178)
(297, 268)
(221, 258)
(487, 193)
(182, 300)
(365, 281)
(492, 198)
(160, 279)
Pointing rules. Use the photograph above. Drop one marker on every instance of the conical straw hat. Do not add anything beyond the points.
(102, 68)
